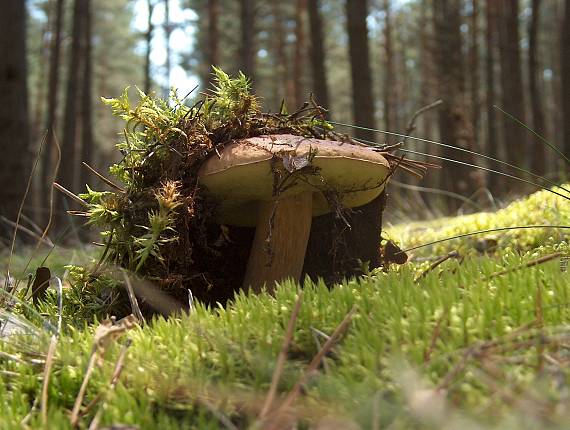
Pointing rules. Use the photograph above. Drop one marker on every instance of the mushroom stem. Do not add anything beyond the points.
(280, 242)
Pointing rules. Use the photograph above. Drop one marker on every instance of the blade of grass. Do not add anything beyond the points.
(490, 230)
(51, 208)
(435, 191)
(21, 208)
(539, 136)
(103, 178)
(486, 169)
(444, 145)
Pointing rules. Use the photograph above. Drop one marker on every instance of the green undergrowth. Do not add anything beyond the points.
(540, 208)
(505, 335)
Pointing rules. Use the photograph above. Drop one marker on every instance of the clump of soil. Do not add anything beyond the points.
(156, 221)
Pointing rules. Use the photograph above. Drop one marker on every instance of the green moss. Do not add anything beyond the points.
(540, 208)
(178, 370)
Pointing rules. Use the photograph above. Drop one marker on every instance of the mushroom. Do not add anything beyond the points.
(277, 183)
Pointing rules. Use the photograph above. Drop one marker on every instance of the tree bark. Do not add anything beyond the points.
(453, 115)
(213, 37)
(565, 76)
(48, 162)
(318, 63)
(511, 81)
(87, 96)
(474, 71)
(491, 42)
(427, 92)
(362, 94)
(68, 172)
(390, 99)
(534, 76)
(37, 111)
(14, 121)
(247, 50)
(281, 83)
(167, 33)
(298, 59)
(148, 40)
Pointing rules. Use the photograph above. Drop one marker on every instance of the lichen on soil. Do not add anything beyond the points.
(156, 222)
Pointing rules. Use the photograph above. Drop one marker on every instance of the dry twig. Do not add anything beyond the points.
(535, 262)
(282, 357)
(283, 409)
(114, 380)
(47, 373)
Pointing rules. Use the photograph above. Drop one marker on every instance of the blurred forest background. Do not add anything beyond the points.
(372, 63)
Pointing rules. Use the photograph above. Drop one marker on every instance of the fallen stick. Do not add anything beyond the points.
(282, 358)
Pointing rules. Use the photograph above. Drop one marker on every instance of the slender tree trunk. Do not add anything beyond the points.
(280, 84)
(362, 95)
(87, 96)
(565, 74)
(247, 51)
(52, 103)
(317, 54)
(474, 71)
(148, 40)
(167, 33)
(534, 76)
(389, 71)
(14, 121)
(213, 37)
(426, 66)
(492, 132)
(298, 59)
(453, 115)
(514, 135)
(555, 102)
(40, 97)
(70, 144)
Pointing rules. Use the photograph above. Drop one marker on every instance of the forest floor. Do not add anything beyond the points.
(479, 340)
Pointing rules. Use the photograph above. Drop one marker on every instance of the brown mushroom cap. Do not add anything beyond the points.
(242, 176)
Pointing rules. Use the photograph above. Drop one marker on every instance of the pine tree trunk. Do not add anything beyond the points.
(14, 121)
(247, 51)
(362, 94)
(565, 75)
(426, 66)
(474, 71)
(48, 161)
(514, 135)
(317, 54)
(37, 118)
(534, 74)
(453, 115)
(213, 37)
(298, 59)
(167, 33)
(280, 84)
(69, 169)
(148, 41)
(491, 42)
(389, 71)
(87, 97)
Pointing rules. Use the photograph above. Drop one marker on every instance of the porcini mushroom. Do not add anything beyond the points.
(247, 180)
